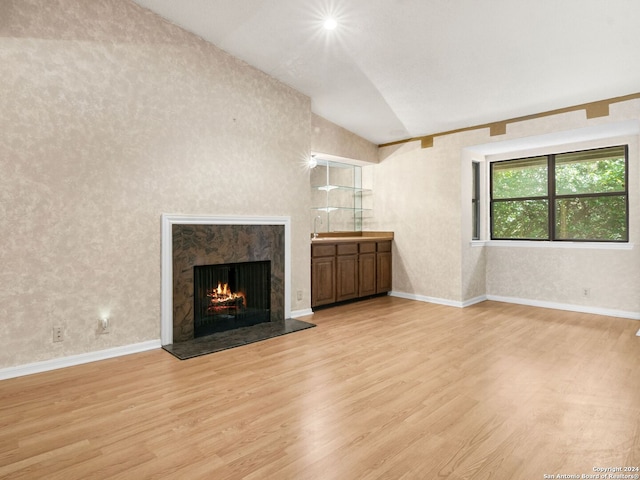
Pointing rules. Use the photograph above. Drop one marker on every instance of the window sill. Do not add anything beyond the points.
(544, 244)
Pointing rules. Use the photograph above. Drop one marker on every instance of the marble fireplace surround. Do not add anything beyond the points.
(167, 262)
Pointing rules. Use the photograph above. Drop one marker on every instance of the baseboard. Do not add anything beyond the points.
(56, 363)
(521, 301)
(423, 298)
(473, 301)
(439, 301)
(567, 306)
(301, 313)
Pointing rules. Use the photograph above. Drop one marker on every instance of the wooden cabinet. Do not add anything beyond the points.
(367, 269)
(344, 271)
(323, 274)
(383, 267)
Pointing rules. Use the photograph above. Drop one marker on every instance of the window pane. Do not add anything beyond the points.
(520, 178)
(475, 200)
(524, 219)
(592, 171)
(476, 221)
(591, 218)
(475, 180)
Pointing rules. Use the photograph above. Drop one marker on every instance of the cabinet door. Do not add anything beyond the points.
(383, 269)
(367, 274)
(346, 277)
(323, 281)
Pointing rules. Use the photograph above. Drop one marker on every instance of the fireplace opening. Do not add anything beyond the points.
(231, 295)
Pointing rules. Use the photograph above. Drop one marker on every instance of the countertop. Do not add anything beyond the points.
(344, 237)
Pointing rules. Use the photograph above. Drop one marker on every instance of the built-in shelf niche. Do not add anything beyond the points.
(338, 196)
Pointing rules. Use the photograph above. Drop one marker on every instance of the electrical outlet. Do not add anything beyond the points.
(586, 292)
(299, 295)
(103, 326)
(57, 334)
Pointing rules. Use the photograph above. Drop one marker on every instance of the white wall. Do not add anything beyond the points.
(331, 139)
(417, 196)
(424, 195)
(110, 116)
(559, 272)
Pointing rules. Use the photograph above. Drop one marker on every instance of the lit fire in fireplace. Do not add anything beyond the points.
(223, 298)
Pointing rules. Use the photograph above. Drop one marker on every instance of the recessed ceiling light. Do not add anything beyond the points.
(330, 24)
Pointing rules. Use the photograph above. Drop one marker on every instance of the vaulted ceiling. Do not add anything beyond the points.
(396, 69)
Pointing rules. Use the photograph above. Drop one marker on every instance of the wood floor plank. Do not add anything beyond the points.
(385, 388)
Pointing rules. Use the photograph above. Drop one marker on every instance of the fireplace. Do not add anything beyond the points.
(230, 295)
(215, 241)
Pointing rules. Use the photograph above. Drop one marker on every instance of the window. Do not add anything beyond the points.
(475, 200)
(577, 196)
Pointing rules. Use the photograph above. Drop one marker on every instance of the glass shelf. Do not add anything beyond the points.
(332, 209)
(338, 197)
(328, 188)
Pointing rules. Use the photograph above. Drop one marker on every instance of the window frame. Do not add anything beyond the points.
(552, 197)
(475, 201)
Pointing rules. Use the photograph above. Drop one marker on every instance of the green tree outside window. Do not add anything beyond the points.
(580, 196)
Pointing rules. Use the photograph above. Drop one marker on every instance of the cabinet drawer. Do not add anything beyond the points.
(368, 247)
(323, 250)
(384, 246)
(347, 248)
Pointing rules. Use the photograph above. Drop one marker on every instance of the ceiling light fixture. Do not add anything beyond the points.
(330, 24)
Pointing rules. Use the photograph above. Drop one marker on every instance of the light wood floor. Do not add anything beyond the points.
(386, 388)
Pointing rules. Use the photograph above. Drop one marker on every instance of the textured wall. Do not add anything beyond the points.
(327, 137)
(424, 196)
(111, 116)
(417, 196)
(560, 275)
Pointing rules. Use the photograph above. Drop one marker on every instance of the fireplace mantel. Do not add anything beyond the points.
(168, 220)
